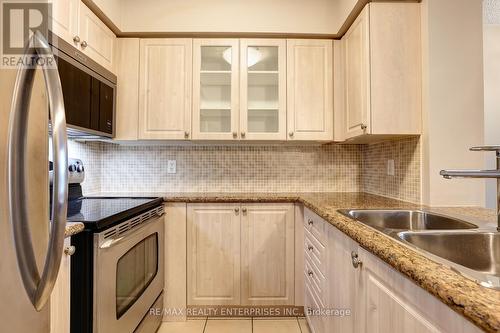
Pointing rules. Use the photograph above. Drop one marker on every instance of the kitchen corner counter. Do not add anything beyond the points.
(478, 304)
(72, 228)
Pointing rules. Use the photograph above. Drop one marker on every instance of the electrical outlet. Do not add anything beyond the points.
(390, 168)
(171, 166)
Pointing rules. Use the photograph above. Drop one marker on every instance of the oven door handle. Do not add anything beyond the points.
(111, 242)
(38, 286)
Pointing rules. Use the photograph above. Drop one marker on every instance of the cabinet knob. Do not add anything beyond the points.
(69, 250)
(243, 134)
(76, 39)
(310, 221)
(244, 210)
(355, 260)
(363, 127)
(83, 44)
(310, 248)
(236, 210)
(310, 273)
(235, 135)
(290, 134)
(186, 134)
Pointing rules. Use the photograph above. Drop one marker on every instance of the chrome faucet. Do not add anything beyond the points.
(448, 174)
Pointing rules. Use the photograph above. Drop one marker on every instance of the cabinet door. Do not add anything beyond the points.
(65, 16)
(213, 259)
(341, 296)
(60, 297)
(392, 303)
(267, 254)
(97, 40)
(165, 89)
(263, 89)
(357, 76)
(126, 65)
(310, 89)
(215, 89)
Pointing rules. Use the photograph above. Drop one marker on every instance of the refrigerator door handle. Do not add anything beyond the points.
(38, 286)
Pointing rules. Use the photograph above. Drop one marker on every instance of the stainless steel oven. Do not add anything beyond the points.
(128, 274)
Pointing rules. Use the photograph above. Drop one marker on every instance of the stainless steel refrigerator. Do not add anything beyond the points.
(31, 246)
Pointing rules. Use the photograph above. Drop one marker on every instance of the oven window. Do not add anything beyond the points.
(135, 271)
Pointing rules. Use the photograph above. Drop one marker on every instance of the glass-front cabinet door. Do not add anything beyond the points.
(215, 89)
(262, 89)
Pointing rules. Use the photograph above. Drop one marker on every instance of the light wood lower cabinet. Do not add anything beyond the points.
(240, 254)
(213, 254)
(267, 254)
(372, 297)
(343, 280)
(60, 297)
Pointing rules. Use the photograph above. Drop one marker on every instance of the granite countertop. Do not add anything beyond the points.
(478, 304)
(72, 228)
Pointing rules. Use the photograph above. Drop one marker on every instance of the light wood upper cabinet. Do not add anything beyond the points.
(263, 89)
(126, 67)
(97, 40)
(310, 89)
(267, 254)
(382, 64)
(357, 77)
(213, 255)
(215, 89)
(165, 89)
(76, 24)
(65, 19)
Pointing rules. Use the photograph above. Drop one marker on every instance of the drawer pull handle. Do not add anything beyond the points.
(355, 260)
(310, 221)
(236, 210)
(310, 273)
(310, 248)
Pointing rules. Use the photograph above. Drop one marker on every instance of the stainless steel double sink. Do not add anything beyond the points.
(459, 244)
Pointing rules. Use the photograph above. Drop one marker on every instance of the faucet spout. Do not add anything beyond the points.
(449, 174)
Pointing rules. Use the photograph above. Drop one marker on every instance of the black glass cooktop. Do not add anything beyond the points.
(98, 213)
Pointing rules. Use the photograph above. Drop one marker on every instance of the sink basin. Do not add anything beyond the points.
(406, 220)
(479, 251)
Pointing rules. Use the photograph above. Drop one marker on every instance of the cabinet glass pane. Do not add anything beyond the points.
(263, 89)
(215, 121)
(216, 58)
(262, 58)
(263, 121)
(215, 89)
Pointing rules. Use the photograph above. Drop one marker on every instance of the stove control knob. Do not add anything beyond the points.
(72, 168)
(80, 168)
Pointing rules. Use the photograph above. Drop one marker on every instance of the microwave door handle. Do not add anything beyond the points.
(38, 286)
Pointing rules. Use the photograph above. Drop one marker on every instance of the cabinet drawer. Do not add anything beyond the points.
(315, 225)
(316, 322)
(315, 251)
(316, 281)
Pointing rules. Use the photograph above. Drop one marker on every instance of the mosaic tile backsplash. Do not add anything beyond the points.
(328, 168)
(405, 184)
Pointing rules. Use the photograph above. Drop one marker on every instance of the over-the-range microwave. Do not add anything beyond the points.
(89, 92)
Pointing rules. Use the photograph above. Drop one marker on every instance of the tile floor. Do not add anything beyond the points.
(237, 325)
